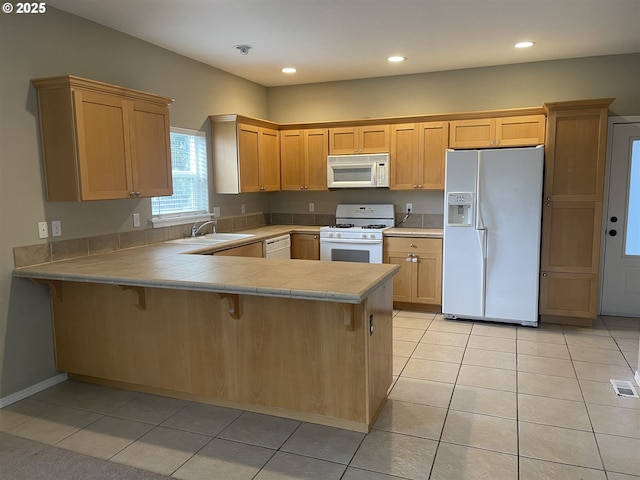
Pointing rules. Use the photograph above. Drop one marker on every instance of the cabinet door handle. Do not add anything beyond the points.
(412, 245)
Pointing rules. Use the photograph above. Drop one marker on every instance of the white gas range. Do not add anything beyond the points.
(357, 234)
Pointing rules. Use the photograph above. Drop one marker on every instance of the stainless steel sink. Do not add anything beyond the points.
(212, 238)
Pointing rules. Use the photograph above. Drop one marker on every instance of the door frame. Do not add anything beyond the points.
(605, 201)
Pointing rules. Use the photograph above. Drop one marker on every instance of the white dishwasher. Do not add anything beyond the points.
(278, 247)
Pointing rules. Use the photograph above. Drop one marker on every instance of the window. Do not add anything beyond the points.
(632, 244)
(189, 170)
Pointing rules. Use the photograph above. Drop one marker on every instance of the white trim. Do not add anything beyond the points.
(33, 389)
(189, 131)
(637, 376)
(171, 220)
(605, 203)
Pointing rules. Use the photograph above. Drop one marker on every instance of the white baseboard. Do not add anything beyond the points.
(27, 392)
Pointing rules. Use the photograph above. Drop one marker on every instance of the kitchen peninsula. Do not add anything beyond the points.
(301, 339)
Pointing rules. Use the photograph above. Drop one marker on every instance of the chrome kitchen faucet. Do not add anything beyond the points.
(195, 229)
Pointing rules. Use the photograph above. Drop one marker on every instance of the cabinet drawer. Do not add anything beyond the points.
(413, 245)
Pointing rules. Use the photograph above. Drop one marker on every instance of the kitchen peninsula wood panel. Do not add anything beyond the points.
(101, 141)
(318, 361)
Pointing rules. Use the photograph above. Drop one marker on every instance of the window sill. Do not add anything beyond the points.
(171, 220)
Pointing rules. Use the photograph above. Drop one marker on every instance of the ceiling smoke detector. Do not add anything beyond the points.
(244, 49)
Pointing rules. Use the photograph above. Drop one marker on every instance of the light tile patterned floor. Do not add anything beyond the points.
(470, 400)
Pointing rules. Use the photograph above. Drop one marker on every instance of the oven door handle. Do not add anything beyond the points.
(355, 241)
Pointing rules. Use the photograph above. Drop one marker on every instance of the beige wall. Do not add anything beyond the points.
(509, 86)
(57, 43)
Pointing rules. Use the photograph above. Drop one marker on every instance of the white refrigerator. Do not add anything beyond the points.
(492, 223)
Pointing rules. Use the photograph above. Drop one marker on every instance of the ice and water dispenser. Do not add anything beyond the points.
(460, 205)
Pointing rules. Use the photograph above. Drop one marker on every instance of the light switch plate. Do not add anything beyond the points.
(312, 207)
(216, 211)
(136, 220)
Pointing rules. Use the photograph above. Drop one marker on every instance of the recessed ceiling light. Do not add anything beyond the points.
(289, 70)
(396, 59)
(524, 44)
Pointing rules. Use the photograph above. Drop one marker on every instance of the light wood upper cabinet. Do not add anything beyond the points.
(246, 155)
(258, 158)
(303, 157)
(363, 139)
(575, 152)
(518, 131)
(420, 277)
(575, 155)
(417, 155)
(101, 141)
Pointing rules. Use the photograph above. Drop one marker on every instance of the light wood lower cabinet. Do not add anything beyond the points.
(305, 246)
(568, 296)
(420, 278)
(250, 250)
(315, 361)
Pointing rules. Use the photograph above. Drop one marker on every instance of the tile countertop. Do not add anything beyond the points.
(166, 265)
(414, 232)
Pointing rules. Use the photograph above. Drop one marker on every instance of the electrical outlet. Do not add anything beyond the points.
(409, 207)
(56, 228)
(216, 211)
(312, 207)
(136, 220)
(243, 209)
(43, 230)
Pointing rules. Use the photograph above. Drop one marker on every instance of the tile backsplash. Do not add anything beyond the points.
(82, 247)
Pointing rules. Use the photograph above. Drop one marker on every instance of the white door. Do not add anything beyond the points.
(621, 272)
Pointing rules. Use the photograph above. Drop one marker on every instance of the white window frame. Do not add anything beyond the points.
(179, 218)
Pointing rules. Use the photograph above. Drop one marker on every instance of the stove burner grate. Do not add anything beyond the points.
(375, 226)
(343, 225)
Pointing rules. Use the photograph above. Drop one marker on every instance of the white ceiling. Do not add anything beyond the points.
(329, 40)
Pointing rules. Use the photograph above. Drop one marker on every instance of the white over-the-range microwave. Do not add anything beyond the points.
(358, 171)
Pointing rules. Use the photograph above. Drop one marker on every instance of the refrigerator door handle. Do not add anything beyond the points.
(479, 221)
(482, 239)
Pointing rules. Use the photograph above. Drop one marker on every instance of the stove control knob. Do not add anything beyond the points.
(338, 235)
(330, 235)
(372, 236)
(364, 235)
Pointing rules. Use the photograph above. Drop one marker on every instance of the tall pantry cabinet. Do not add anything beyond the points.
(575, 152)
